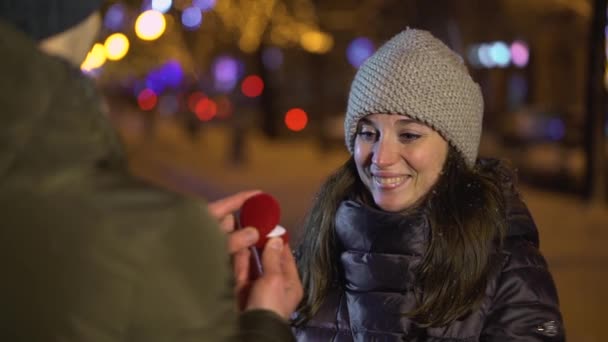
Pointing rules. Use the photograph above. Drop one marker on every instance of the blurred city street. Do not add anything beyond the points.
(573, 233)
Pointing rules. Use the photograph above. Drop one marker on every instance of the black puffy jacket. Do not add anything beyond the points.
(381, 250)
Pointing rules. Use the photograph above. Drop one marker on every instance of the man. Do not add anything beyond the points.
(87, 252)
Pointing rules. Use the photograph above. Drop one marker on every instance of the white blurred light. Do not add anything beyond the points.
(162, 5)
(150, 25)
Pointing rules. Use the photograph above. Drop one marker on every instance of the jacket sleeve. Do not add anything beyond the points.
(525, 305)
(184, 290)
(263, 325)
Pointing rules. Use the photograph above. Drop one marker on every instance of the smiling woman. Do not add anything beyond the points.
(414, 238)
(398, 159)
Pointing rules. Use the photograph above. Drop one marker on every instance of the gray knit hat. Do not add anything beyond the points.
(415, 74)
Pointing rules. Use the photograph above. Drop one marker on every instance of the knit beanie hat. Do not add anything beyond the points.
(41, 19)
(415, 74)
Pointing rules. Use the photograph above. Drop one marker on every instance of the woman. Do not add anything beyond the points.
(413, 238)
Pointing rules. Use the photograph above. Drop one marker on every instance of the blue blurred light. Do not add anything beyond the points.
(192, 17)
(204, 5)
(155, 81)
(484, 56)
(473, 56)
(169, 75)
(226, 73)
(173, 73)
(272, 58)
(500, 54)
(359, 50)
(162, 5)
(556, 129)
(114, 19)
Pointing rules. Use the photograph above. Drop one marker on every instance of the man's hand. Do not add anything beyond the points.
(279, 289)
(240, 240)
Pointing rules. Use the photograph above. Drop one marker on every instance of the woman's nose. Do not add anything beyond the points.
(385, 152)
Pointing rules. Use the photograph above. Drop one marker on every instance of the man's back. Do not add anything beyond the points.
(87, 252)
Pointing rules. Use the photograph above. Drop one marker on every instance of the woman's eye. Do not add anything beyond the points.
(409, 136)
(367, 135)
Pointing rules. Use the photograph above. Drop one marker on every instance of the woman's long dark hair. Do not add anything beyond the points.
(466, 210)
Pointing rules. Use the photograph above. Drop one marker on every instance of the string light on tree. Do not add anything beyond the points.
(205, 109)
(147, 99)
(192, 17)
(117, 46)
(162, 6)
(252, 86)
(150, 25)
(296, 119)
(95, 58)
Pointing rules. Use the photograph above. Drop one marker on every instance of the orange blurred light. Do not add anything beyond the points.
(205, 109)
(147, 99)
(296, 119)
(193, 100)
(252, 86)
(117, 46)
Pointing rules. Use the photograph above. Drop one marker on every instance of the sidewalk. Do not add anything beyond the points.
(573, 235)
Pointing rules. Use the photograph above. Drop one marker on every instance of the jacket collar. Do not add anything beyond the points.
(362, 228)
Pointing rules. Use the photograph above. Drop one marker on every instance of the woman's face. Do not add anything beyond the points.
(398, 159)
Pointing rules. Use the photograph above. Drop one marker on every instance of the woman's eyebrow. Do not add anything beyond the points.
(408, 121)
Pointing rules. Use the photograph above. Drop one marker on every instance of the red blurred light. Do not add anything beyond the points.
(224, 107)
(193, 100)
(252, 86)
(147, 99)
(205, 109)
(296, 119)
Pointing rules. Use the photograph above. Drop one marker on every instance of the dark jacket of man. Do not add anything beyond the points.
(87, 252)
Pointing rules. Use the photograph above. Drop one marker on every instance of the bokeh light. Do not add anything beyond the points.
(162, 6)
(147, 99)
(317, 42)
(95, 58)
(168, 75)
(520, 54)
(296, 119)
(272, 58)
(473, 56)
(192, 17)
(500, 54)
(359, 50)
(225, 73)
(204, 5)
(252, 86)
(115, 17)
(117, 46)
(150, 25)
(483, 53)
(556, 130)
(205, 109)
